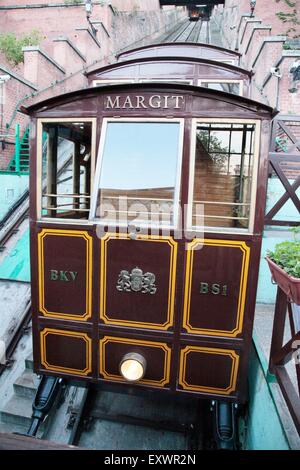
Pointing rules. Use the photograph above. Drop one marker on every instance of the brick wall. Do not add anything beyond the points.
(66, 47)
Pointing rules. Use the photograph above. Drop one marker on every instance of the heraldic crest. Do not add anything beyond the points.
(136, 281)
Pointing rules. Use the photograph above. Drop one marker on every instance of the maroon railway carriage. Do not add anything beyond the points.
(183, 49)
(191, 71)
(147, 210)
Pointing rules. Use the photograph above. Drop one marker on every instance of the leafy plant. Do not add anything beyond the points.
(287, 255)
(217, 152)
(290, 18)
(73, 2)
(12, 46)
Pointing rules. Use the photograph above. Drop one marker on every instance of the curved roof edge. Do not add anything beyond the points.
(81, 93)
(162, 44)
(164, 58)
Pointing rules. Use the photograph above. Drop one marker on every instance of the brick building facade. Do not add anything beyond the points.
(69, 43)
(269, 43)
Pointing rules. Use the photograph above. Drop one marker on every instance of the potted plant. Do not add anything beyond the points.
(284, 264)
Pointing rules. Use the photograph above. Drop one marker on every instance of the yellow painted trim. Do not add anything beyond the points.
(242, 292)
(172, 281)
(84, 336)
(201, 388)
(167, 363)
(89, 260)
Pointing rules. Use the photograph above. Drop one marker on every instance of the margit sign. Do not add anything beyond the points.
(144, 102)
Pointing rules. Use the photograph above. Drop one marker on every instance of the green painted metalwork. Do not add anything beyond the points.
(17, 149)
(19, 163)
(16, 266)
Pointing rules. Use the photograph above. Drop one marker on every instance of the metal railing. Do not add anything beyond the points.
(283, 353)
(284, 161)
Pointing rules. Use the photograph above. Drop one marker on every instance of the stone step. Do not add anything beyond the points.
(17, 411)
(26, 385)
(29, 362)
(13, 428)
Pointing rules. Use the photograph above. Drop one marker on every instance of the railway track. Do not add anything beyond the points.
(14, 335)
(181, 421)
(187, 32)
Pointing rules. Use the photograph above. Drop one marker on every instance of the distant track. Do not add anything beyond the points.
(15, 336)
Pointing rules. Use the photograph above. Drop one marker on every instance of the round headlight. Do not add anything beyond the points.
(133, 367)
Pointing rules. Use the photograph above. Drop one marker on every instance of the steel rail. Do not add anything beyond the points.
(16, 335)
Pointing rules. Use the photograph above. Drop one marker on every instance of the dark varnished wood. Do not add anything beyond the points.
(218, 264)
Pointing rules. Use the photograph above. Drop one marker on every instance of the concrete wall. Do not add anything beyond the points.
(11, 189)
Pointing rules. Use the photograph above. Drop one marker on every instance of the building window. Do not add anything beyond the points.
(112, 81)
(230, 86)
(223, 169)
(66, 154)
(139, 172)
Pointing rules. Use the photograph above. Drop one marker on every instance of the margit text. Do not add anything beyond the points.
(144, 102)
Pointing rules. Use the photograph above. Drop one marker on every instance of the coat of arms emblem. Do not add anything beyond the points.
(136, 281)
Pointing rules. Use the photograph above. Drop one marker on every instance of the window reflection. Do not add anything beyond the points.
(138, 172)
(229, 87)
(223, 174)
(66, 169)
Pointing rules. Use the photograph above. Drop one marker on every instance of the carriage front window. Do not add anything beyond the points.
(139, 172)
(66, 156)
(223, 175)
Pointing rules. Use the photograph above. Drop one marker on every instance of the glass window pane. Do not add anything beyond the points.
(66, 163)
(229, 87)
(223, 175)
(139, 172)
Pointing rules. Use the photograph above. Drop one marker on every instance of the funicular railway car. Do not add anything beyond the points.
(194, 13)
(183, 49)
(145, 263)
(191, 71)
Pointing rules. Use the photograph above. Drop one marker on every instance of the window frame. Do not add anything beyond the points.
(184, 81)
(93, 208)
(39, 157)
(220, 80)
(256, 148)
(112, 81)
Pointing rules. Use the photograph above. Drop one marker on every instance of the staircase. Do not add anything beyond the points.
(20, 161)
(15, 415)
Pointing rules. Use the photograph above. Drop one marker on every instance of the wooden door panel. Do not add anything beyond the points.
(215, 287)
(138, 281)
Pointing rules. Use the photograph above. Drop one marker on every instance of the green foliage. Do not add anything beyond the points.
(73, 2)
(12, 46)
(214, 147)
(289, 18)
(287, 255)
(288, 2)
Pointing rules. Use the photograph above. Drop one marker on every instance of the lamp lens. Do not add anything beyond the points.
(132, 370)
